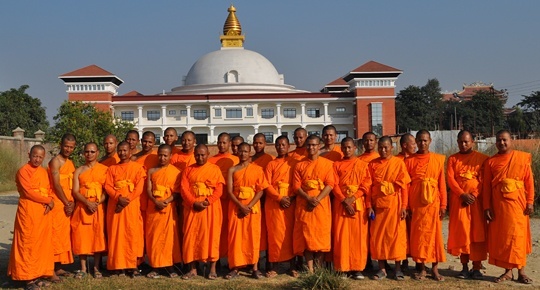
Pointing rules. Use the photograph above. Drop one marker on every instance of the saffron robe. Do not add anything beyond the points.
(508, 187)
(245, 233)
(263, 161)
(387, 197)
(312, 229)
(32, 253)
(368, 157)
(280, 221)
(467, 226)
(125, 229)
(148, 161)
(182, 160)
(334, 155)
(110, 160)
(161, 229)
(427, 196)
(60, 221)
(298, 153)
(350, 233)
(202, 230)
(87, 228)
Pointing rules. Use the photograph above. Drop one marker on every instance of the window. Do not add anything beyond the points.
(313, 113)
(233, 113)
(376, 119)
(269, 136)
(340, 110)
(217, 112)
(201, 138)
(183, 112)
(199, 114)
(289, 113)
(158, 139)
(152, 115)
(313, 133)
(234, 135)
(249, 112)
(341, 135)
(267, 113)
(127, 116)
(172, 112)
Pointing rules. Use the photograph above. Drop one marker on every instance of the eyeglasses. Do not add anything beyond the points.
(89, 151)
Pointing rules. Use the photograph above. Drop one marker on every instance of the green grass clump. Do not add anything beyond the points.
(9, 164)
(323, 278)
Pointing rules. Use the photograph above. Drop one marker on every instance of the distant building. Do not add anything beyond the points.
(470, 90)
(239, 91)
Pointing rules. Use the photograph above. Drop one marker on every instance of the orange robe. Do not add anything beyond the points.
(508, 186)
(427, 196)
(148, 161)
(125, 229)
(263, 161)
(182, 160)
(245, 233)
(32, 250)
(225, 161)
(161, 229)
(60, 221)
(334, 155)
(280, 221)
(202, 230)
(368, 157)
(298, 153)
(350, 233)
(388, 196)
(111, 160)
(312, 229)
(88, 229)
(467, 227)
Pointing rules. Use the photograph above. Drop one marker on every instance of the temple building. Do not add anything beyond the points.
(239, 91)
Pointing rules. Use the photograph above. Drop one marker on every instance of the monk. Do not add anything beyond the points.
(132, 138)
(185, 157)
(369, 140)
(330, 151)
(88, 220)
(350, 218)
(508, 189)
(427, 200)
(110, 157)
(299, 137)
(171, 137)
(279, 209)
(61, 170)
(387, 204)
(245, 186)
(224, 160)
(236, 140)
(124, 186)
(408, 146)
(313, 180)
(32, 255)
(161, 229)
(147, 157)
(202, 186)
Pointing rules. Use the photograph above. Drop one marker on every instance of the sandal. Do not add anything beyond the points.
(98, 274)
(294, 273)
(419, 275)
(464, 274)
(43, 283)
(212, 276)
(524, 279)
(379, 276)
(189, 275)
(504, 277)
(80, 275)
(63, 273)
(232, 275)
(271, 274)
(357, 275)
(256, 274)
(438, 278)
(477, 275)
(399, 275)
(153, 275)
(135, 274)
(173, 275)
(32, 286)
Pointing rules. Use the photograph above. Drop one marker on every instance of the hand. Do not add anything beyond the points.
(122, 203)
(403, 214)
(48, 207)
(243, 210)
(349, 200)
(92, 206)
(69, 207)
(467, 199)
(442, 213)
(370, 212)
(161, 204)
(199, 206)
(313, 202)
(529, 209)
(285, 202)
(489, 215)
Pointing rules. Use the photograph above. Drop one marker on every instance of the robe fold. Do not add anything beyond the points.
(202, 230)
(161, 229)
(182, 159)
(312, 230)
(263, 161)
(334, 155)
(32, 253)
(87, 228)
(388, 196)
(467, 226)
(113, 160)
(350, 233)
(125, 228)
(368, 157)
(427, 196)
(298, 153)
(148, 161)
(508, 187)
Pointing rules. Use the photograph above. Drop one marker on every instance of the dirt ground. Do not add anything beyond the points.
(8, 206)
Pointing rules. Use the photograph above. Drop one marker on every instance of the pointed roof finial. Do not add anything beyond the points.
(232, 30)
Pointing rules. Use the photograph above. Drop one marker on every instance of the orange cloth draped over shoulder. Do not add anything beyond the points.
(388, 196)
(111, 160)
(280, 221)
(148, 161)
(312, 229)
(508, 187)
(125, 228)
(182, 159)
(334, 155)
(467, 226)
(224, 161)
(368, 157)
(298, 153)
(202, 230)
(31, 253)
(263, 161)
(161, 229)
(245, 233)
(87, 228)
(350, 237)
(427, 196)
(60, 221)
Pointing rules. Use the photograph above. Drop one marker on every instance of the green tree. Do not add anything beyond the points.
(18, 109)
(420, 107)
(516, 122)
(483, 114)
(531, 108)
(87, 123)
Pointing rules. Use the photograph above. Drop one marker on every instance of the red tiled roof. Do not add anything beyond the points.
(338, 82)
(373, 66)
(132, 94)
(91, 70)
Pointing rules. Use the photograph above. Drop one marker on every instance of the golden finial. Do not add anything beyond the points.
(232, 30)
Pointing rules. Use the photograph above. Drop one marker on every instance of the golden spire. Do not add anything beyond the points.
(232, 31)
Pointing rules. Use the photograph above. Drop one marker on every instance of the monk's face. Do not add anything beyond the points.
(348, 148)
(188, 142)
(110, 143)
(385, 149)
(465, 143)
(223, 144)
(300, 138)
(170, 137)
(282, 147)
(164, 156)
(312, 147)
(90, 153)
(124, 153)
(36, 157)
(368, 142)
(201, 155)
(243, 152)
(503, 142)
(258, 144)
(132, 140)
(66, 148)
(235, 143)
(409, 147)
(329, 137)
(423, 141)
(147, 143)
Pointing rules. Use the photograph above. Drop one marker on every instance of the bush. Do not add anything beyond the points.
(8, 169)
(323, 278)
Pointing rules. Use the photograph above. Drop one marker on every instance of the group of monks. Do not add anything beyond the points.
(321, 203)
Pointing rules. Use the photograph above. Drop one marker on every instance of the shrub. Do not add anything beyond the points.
(323, 278)
(8, 169)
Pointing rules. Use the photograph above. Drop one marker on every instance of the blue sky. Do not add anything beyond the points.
(151, 45)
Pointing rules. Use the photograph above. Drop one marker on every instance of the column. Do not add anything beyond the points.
(278, 114)
(211, 139)
(112, 112)
(163, 115)
(279, 130)
(303, 114)
(139, 123)
(188, 116)
(256, 128)
(325, 119)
